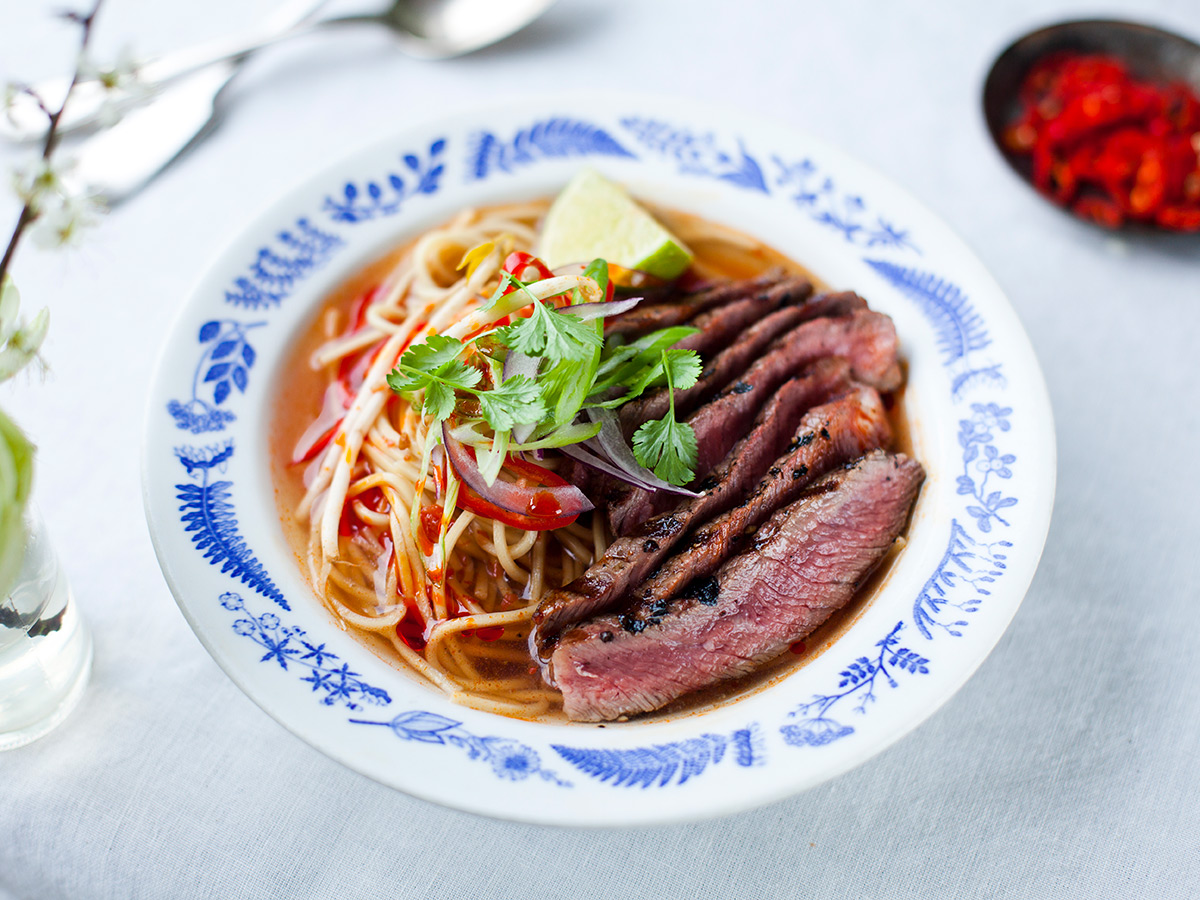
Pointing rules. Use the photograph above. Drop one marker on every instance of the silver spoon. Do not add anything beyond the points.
(1150, 53)
(427, 29)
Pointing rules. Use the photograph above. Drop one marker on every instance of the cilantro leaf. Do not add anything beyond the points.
(678, 368)
(515, 402)
(682, 368)
(439, 400)
(434, 367)
(626, 365)
(668, 448)
(557, 335)
(431, 354)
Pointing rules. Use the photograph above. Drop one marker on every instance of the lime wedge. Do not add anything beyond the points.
(593, 217)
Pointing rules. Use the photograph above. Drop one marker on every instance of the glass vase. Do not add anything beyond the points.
(45, 647)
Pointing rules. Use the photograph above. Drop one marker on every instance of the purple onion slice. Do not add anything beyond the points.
(611, 443)
(588, 311)
(505, 494)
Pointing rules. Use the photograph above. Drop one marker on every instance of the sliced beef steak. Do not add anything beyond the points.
(805, 563)
(630, 559)
(719, 326)
(866, 339)
(828, 436)
(718, 425)
(768, 334)
(651, 316)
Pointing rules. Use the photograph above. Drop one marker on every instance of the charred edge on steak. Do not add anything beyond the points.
(719, 422)
(720, 326)
(652, 316)
(866, 339)
(858, 423)
(630, 559)
(734, 359)
(806, 562)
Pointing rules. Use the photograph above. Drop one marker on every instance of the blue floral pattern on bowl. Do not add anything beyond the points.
(557, 138)
(510, 760)
(223, 366)
(297, 252)
(386, 197)
(288, 645)
(661, 764)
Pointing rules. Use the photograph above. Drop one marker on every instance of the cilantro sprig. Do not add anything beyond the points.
(667, 446)
(436, 367)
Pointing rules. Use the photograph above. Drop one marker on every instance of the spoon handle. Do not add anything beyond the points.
(25, 121)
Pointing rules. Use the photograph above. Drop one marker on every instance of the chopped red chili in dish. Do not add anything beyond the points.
(1110, 146)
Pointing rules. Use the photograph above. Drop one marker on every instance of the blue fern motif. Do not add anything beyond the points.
(698, 154)
(276, 270)
(209, 517)
(376, 199)
(660, 764)
(839, 210)
(509, 759)
(289, 646)
(224, 366)
(966, 561)
(550, 139)
(960, 330)
(815, 727)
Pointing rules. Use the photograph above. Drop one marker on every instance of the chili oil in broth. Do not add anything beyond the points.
(721, 253)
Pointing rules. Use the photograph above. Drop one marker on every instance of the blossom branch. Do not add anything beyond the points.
(29, 211)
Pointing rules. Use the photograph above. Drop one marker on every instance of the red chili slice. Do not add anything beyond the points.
(518, 261)
(469, 500)
(546, 510)
(1110, 146)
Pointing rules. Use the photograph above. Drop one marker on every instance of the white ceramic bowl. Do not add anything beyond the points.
(981, 418)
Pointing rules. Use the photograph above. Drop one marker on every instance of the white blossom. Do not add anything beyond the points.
(40, 182)
(61, 221)
(19, 340)
(121, 83)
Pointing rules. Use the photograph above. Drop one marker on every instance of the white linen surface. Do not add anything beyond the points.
(1068, 766)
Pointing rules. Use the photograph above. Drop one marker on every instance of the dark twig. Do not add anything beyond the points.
(28, 213)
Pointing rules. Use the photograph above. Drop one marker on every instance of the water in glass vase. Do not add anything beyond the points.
(45, 647)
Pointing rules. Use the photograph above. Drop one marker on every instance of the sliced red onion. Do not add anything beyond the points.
(612, 443)
(589, 458)
(517, 363)
(506, 495)
(588, 311)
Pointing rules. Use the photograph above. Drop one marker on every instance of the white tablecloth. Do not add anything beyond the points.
(1068, 767)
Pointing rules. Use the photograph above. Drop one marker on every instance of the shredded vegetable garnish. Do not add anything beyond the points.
(540, 372)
